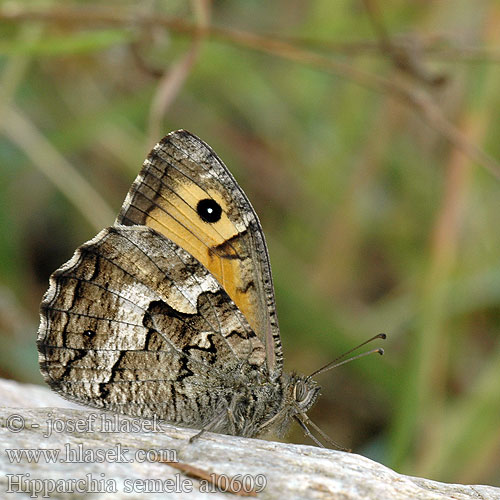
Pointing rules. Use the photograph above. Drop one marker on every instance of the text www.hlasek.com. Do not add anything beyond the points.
(80, 454)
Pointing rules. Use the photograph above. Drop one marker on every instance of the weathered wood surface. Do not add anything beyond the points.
(290, 471)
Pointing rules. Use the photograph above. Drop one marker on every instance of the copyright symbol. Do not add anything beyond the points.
(15, 423)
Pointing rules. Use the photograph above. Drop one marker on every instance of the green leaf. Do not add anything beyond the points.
(75, 43)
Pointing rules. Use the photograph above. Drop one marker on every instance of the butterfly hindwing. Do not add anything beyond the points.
(179, 192)
(134, 323)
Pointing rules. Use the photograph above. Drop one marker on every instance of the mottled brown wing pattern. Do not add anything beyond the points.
(133, 323)
(180, 174)
(170, 313)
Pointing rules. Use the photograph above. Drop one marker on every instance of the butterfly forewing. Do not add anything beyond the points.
(178, 193)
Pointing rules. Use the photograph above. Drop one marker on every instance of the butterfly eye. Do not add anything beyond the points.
(209, 210)
(300, 391)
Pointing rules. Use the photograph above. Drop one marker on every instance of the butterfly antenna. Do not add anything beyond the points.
(341, 359)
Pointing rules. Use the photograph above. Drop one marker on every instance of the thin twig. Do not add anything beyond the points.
(222, 482)
(406, 58)
(432, 45)
(414, 98)
(174, 77)
(55, 167)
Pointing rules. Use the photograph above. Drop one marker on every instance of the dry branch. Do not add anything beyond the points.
(420, 101)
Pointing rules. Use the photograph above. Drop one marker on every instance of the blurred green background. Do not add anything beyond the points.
(365, 134)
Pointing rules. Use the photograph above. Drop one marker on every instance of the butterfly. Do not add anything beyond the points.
(170, 312)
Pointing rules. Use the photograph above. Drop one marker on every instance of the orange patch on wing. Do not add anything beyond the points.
(215, 245)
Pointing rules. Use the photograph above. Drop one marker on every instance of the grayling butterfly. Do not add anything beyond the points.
(170, 312)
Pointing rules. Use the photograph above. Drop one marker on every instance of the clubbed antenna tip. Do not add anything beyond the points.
(341, 359)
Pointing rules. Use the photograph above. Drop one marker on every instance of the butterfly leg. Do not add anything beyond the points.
(303, 420)
(232, 421)
(308, 433)
(210, 425)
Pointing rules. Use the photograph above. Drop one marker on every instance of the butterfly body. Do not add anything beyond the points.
(170, 312)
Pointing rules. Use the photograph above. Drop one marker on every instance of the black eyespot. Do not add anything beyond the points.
(209, 210)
